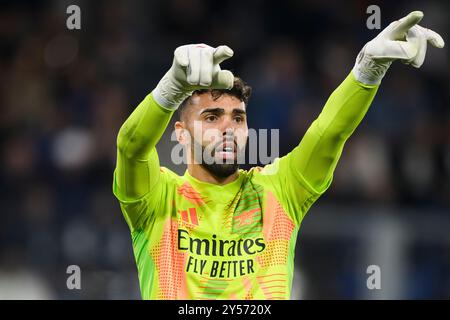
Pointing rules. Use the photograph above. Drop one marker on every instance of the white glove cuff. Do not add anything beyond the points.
(167, 95)
(369, 71)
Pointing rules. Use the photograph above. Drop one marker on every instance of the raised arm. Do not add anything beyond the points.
(317, 155)
(194, 67)
(137, 167)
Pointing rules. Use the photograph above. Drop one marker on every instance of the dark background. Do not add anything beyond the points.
(64, 95)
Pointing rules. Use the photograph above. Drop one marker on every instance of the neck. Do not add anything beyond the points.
(200, 173)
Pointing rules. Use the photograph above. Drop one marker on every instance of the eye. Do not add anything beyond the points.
(239, 119)
(211, 118)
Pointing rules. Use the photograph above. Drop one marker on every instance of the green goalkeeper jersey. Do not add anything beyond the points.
(197, 240)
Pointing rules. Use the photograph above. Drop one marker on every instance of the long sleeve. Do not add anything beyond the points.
(137, 168)
(301, 176)
(316, 157)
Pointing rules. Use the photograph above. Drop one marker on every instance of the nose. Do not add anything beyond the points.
(228, 132)
(226, 125)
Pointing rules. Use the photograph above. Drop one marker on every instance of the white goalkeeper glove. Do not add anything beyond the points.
(402, 40)
(195, 66)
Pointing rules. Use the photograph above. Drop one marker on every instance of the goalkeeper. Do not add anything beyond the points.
(220, 232)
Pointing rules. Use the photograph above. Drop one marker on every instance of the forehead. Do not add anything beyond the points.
(199, 102)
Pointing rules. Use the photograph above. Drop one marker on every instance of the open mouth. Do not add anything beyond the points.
(226, 150)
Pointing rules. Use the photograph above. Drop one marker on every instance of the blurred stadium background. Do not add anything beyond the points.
(64, 95)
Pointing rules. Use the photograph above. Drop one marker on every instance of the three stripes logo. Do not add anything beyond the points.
(189, 216)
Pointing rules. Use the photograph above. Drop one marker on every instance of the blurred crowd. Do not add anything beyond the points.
(65, 93)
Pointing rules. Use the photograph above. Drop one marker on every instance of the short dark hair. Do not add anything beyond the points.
(240, 90)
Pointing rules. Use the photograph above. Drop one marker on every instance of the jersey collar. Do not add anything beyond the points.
(221, 193)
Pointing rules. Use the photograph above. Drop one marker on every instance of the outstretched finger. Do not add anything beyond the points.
(404, 24)
(222, 53)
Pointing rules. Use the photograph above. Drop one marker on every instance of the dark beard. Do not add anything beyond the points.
(219, 170)
(222, 170)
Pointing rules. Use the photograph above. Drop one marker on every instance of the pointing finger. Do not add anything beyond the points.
(222, 53)
(404, 24)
